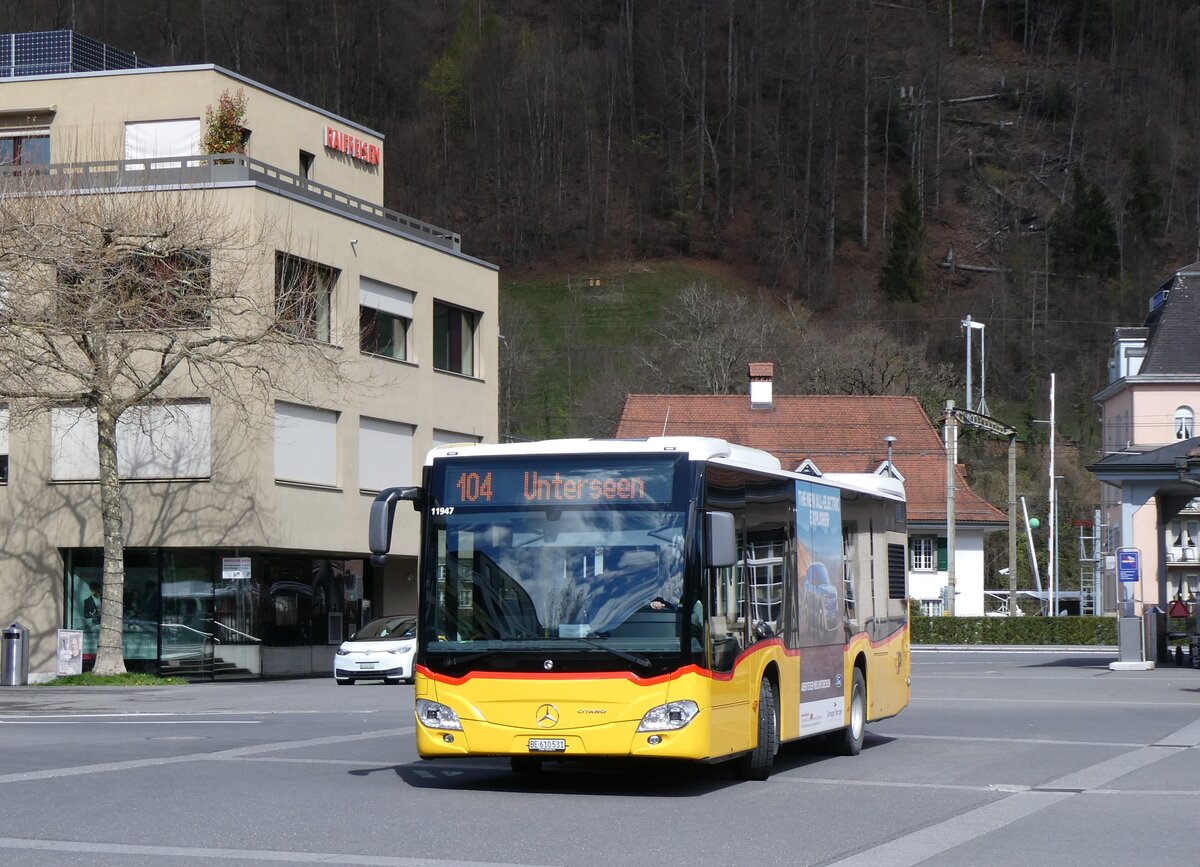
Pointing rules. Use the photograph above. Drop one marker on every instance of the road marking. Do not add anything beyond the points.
(1185, 703)
(235, 753)
(910, 849)
(275, 855)
(916, 847)
(130, 722)
(898, 784)
(904, 736)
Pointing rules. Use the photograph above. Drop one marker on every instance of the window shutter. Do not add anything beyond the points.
(942, 559)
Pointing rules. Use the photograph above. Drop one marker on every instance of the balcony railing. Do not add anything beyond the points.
(209, 170)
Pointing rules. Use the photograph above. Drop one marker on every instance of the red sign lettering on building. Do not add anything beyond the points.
(351, 146)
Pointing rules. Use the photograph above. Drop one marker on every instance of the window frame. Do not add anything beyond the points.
(18, 138)
(315, 319)
(920, 559)
(450, 321)
(1183, 424)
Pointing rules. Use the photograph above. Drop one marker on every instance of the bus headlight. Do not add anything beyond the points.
(668, 717)
(436, 716)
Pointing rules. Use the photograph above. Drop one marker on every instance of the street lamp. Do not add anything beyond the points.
(890, 440)
(1052, 514)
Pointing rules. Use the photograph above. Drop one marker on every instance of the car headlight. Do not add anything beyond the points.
(668, 717)
(403, 648)
(342, 651)
(433, 715)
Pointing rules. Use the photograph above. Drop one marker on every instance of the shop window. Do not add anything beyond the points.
(454, 330)
(304, 296)
(385, 315)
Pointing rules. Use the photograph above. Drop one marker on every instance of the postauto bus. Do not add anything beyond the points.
(672, 597)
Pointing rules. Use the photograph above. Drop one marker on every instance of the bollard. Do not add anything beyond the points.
(14, 656)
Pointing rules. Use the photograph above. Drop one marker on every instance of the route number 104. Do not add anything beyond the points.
(472, 487)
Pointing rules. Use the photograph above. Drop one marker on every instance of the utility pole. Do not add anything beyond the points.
(951, 461)
(983, 422)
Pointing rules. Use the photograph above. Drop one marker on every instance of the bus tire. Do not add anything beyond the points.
(756, 764)
(851, 741)
(526, 765)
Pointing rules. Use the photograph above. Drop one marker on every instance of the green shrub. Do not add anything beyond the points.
(1014, 630)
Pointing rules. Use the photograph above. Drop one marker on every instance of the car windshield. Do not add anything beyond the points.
(522, 578)
(387, 628)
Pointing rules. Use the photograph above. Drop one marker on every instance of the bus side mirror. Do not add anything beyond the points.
(719, 539)
(383, 510)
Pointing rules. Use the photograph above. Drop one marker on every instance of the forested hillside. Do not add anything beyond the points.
(835, 183)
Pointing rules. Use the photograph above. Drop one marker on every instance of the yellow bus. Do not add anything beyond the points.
(665, 598)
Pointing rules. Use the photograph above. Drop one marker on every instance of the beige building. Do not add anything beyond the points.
(247, 538)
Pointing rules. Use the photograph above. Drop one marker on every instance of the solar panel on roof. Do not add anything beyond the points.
(56, 52)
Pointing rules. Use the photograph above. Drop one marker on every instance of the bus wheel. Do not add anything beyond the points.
(851, 741)
(526, 765)
(756, 764)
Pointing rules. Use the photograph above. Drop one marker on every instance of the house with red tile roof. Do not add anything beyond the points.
(820, 434)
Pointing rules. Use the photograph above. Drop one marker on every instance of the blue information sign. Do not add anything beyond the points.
(1129, 564)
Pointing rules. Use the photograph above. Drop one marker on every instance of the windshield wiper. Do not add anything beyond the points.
(639, 661)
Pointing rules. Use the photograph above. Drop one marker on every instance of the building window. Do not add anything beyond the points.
(924, 553)
(1185, 423)
(454, 338)
(452, 438)
(25, 148)
(385, 454)
(306, 164)
(304, 296)
(165, 441)
(385, 314)
(305, 445)
(144, 290)
(156, 139)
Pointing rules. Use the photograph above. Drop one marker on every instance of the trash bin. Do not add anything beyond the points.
(14, 656)
(1154, 622)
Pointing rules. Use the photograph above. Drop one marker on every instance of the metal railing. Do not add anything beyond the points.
(236, 632)
(201, 170)
(208, 647)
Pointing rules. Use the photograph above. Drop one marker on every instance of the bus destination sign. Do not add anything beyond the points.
(556, 484)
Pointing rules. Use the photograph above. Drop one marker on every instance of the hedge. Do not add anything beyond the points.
(1014, 630)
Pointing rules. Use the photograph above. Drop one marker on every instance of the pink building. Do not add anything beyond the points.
(1150, 468)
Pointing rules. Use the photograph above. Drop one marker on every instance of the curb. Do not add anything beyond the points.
(1098, 649)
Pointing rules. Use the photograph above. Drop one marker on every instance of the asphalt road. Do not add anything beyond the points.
(1002, 759)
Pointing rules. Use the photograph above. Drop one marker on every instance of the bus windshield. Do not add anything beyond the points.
(590, 567)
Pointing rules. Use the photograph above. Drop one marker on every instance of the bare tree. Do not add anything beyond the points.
(112, 302)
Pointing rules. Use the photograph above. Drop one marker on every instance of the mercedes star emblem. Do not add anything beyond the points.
(547, 716)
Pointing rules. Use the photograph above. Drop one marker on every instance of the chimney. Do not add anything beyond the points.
(761, 374)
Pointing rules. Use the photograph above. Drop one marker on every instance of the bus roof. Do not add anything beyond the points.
(697, 449)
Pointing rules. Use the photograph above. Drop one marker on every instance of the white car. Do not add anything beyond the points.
(381, 650)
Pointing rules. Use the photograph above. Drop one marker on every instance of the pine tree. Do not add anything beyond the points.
(1083, 235)
(903, 276)
(1143, 207)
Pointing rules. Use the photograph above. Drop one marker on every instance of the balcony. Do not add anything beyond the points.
(207, 170)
